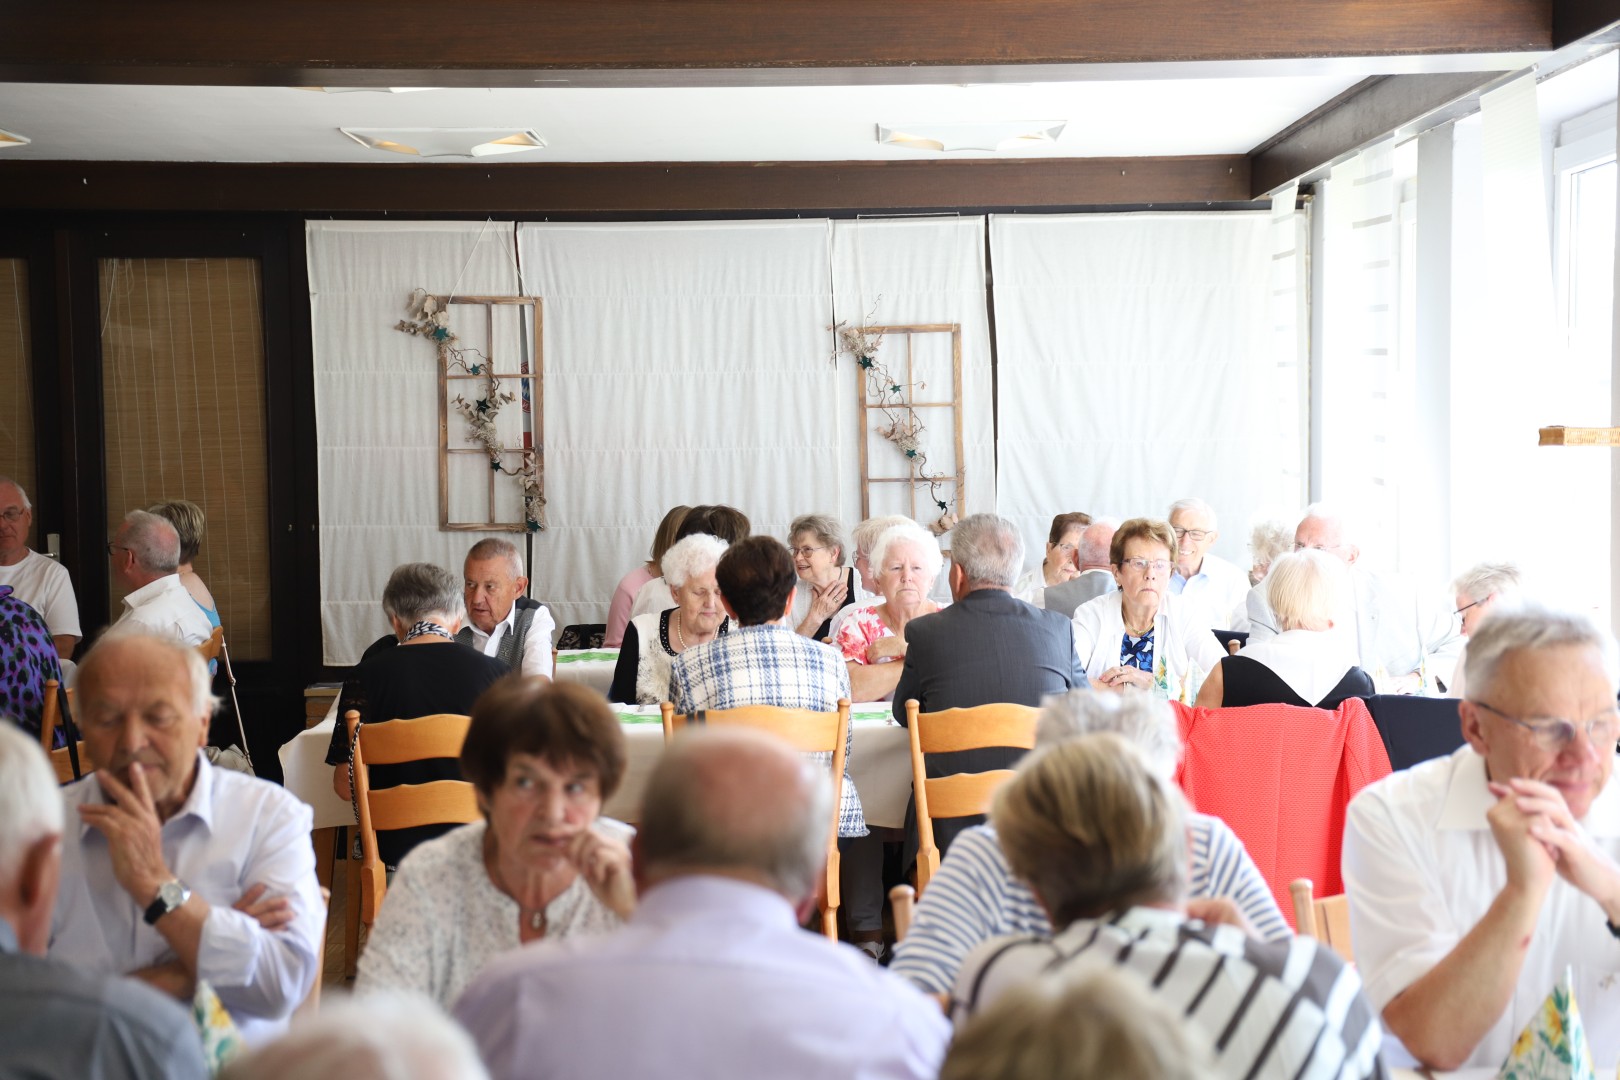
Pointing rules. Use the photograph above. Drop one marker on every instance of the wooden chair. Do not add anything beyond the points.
(51, 719)
(213, 649)
(1327, 920)
(903, 903)
(441, 802)
(312, 1001)
(963, 794)
(808, 732)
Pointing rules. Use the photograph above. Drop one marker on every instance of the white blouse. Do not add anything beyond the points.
(443, 919)
(1184, 650)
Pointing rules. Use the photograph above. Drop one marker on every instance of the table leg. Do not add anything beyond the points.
(325, 840)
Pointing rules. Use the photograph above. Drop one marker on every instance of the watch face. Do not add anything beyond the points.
(172, 893)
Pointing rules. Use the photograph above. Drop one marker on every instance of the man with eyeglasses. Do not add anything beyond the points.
(41, 583)
(1406, 640)
(1203, 578)
(1476, 880)
(145, 557)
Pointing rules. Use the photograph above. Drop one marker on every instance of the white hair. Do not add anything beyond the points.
(989, 549)
(203, 701)
(154, 542)
(1325, 511)
(389, 1035)
(1488, 579)
(907, 533)
(21, 494)
(690, 557)
(1197, 506)
(496, 547)
(1142, 719)
(1531, 627)
(867, 532)
(30, 801)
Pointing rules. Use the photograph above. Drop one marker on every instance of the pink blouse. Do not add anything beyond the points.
(861, 627)
(624, 598)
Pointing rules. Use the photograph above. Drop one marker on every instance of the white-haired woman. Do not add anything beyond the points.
(1308, 663)
(1477, 590)
(651, 641)
(905, 561)
(975, 896)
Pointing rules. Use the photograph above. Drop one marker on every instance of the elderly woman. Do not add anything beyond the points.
(429, 672)
(825, 584)
(1307, 663)
(1477, 590)
(975, 896)
(543, 863)
(188, 521)
(906, 560)
(1268, 540)
(1142, 635)
(652, 641)
(624, 597)
(1061, 562)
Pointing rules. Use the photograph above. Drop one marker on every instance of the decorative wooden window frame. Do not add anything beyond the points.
(915, 478)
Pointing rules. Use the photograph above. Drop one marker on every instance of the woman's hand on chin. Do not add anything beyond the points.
(605, 865)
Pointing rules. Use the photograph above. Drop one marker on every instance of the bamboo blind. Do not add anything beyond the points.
(16, 383)
(183, 374)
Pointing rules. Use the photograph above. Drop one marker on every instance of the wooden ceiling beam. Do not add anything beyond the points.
(539, 42)
(633, 188)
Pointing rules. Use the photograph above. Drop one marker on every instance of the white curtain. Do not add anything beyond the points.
(377, 405)
(1137, 364)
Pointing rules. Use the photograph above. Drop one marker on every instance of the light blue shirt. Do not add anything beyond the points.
(712, 978)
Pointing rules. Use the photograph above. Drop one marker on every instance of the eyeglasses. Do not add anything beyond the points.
(805, 552)
(1316, 547)
(1465, 607)
(1142, 566)
(12, 514)
(1553, 733)
(113, 548)
(1197, 536)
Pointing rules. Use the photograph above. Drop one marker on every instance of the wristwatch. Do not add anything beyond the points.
(170, 895)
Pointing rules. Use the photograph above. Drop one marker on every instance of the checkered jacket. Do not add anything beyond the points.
(769, 665)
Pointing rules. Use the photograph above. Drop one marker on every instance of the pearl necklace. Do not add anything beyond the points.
(680, 637)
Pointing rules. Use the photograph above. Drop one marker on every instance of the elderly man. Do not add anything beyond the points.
(711, 976)
(1478, 590)
(1402, 640)
(41, 583)
(54, 1020)
(1096, 572)
(145, 558)
(1477, 879)
(1203, 578)
(502, 621)
(1100, 838)
(174, 871)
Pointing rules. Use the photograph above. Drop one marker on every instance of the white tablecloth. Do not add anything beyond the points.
(880, 766)
(593, 667)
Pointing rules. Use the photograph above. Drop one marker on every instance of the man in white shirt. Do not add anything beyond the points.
(41, 583)
(1476, 880)
(145, 558)
(502, 621)
(1201, 576)
(711, 976)
(1403, 639)
(174, 871)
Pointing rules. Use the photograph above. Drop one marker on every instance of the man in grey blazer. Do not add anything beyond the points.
(1096, 574)
(987, 647)
(1400, 635)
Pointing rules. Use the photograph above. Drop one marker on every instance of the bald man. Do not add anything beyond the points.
(712, 976)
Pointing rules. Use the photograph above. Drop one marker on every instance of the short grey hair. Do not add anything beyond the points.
(867, 532)
(1326, 511)
(1531, 627)
(908, 533)
(21, 494)
(1093, 548)
(417, 590)
(494, 547)
(691, 557)
(1478, 582)
(988, 549)
(1269, 539)
(203, 701)
(827, 530)
(30, 801)
(1197, 506)
(1307, 587)
(786, 844)
(153, 541)
(387, 1035)
(1140, 718)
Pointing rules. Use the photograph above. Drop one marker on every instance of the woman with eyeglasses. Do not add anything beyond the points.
(825, 584)
(1142, 635)
(1061, 563)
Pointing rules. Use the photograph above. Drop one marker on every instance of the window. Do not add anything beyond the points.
(16, 384)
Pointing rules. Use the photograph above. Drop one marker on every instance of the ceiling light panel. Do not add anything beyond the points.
(992, 135)
(7, 140)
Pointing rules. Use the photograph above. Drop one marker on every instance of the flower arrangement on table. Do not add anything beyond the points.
(430, 319)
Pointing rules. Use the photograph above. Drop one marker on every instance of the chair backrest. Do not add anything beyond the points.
(964, 794)
(1327, 920)
(50, 716)
(210, 648)
(50, 719)
(63, 764)
(441, 802)
(807, 731)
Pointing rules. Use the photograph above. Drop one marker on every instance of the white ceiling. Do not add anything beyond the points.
(1106, 117)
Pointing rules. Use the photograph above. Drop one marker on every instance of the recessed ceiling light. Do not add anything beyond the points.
(985, 135)
(448, 142)
(8, 139)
